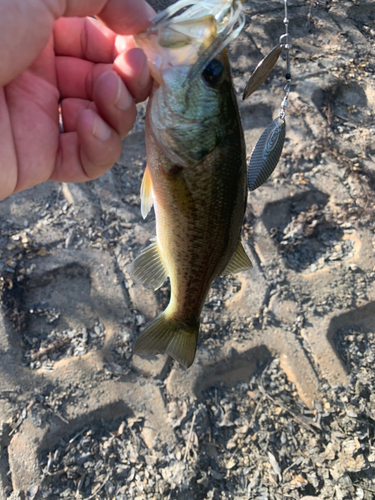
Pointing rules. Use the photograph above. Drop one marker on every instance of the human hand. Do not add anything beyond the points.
(47, 55)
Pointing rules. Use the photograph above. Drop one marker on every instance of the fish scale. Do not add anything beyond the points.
(195, 238)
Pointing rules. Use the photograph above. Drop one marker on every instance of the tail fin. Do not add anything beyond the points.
(170, 337)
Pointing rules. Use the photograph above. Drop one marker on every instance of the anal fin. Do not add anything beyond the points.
(146, 193)
(239, 262)
(148, 268)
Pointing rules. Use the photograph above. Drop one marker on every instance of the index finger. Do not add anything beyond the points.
(125, 17)
(89, 39)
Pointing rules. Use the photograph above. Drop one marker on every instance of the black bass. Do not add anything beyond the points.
(196, 176)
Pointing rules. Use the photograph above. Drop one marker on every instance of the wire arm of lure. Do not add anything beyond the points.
(285, 40)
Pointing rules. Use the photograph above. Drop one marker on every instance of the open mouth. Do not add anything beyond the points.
(192, 33)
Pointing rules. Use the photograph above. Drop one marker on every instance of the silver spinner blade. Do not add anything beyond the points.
(266, 153)
(262, 71)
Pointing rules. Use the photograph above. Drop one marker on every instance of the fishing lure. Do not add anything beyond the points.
(267, 151)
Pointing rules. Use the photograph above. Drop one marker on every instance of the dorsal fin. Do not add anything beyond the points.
(239, 262)
(148, 268)
(146, 193)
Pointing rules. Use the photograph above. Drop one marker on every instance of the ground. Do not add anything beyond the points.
(279, 403)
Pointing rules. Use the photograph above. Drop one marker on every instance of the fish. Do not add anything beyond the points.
(196, 173)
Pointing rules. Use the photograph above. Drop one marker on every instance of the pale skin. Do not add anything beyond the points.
(51, 53)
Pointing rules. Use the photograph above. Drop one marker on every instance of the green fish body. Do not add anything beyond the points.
(197, 180)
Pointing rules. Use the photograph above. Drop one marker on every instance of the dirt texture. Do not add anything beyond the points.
(279, 403)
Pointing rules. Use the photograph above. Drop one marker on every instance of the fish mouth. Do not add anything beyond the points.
(225, 12)
(230, 22)
(191, 33)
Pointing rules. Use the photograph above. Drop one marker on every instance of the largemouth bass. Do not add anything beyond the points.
(196, 176)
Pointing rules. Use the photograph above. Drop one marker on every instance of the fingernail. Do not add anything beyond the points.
(100, 129)
(123, 99)
(145, 77)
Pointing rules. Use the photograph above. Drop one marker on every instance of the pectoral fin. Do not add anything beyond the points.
(148, 268)
(239, 262)
(146, 193)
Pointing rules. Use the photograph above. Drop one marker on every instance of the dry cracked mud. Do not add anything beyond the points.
(279, 403)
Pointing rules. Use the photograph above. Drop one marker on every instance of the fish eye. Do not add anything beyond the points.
(213, 72)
